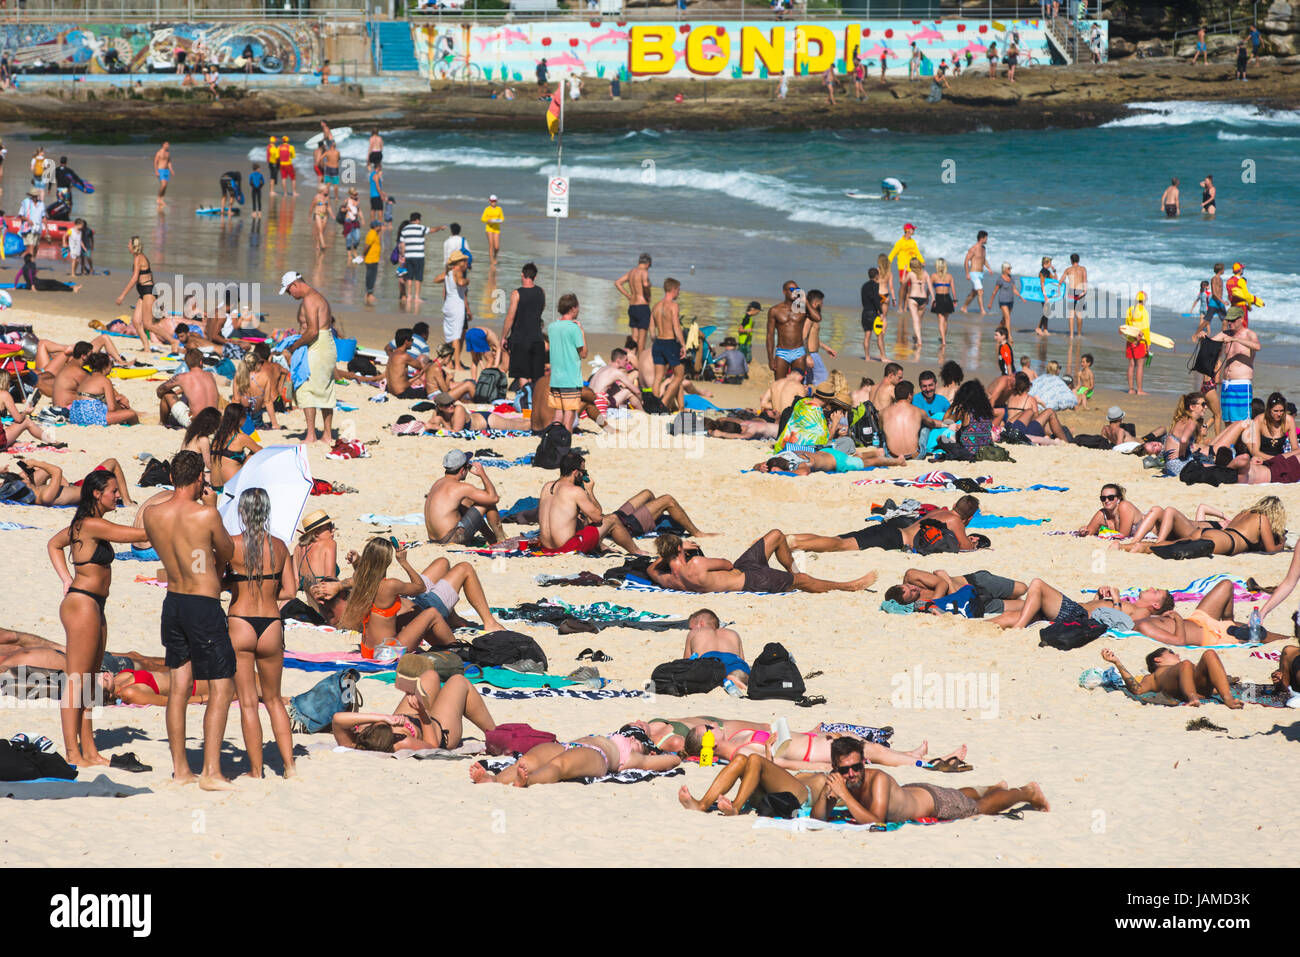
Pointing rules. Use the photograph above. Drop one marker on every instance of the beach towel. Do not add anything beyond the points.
(634, 583)
(496, 677)
(505, 463)
(552, 611)
(371, 518)
(333, 661)
(1196, 589)
(926, 481)
(14, 527)
(485, 434)
(528, 503)
(1249, 692)
(585, 694)
(984, 520)
(1117, 633)
(697, 403)
(469, 747)
(630, 776)
(800, 824)
(58, 788)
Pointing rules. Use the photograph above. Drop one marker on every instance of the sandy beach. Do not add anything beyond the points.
(1128, 784)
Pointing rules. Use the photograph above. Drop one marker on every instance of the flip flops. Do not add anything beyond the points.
(588, 654)
(949, 766)
(810, 701)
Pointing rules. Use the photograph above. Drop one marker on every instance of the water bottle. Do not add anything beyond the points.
(1256, 625)
(706, 749)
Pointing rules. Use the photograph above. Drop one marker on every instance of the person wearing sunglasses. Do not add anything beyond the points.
(1118, 513)
(1235, 374)
(873, 797)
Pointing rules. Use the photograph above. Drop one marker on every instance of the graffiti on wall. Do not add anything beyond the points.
(142, 47)
(731, 49)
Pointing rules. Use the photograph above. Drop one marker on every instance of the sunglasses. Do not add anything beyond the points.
(847, 769)
(1109, 498)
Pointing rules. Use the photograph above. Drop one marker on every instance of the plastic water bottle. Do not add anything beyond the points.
(706, 749)
(1256, 625)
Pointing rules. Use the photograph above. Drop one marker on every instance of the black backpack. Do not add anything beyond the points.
(341, 216)
(26, 762)
(1068, 635)
(865, 425)
(934, 538)
(1205, 356)
(499, 648)
(688, 676)
(652, 404)
(556, 443)
(775, 675)
(156, 472)
(491, 386)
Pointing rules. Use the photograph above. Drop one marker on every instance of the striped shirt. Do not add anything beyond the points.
(412, 239)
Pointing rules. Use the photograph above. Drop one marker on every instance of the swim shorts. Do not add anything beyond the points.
(950, 804)
(376, 204)
(565, 400)
(415, 269)
(194, 630)
(180, 413)
(586, 541)
(729, 661)
(871, 321)
(1171, 210)
(471, 524)
(164, 175)
(1071, 612)
(376, 158)
(1136, 350)
(977, 281)
(527, 359)
(638, 316)
(759, 575)
(667, 352)
(993, 589)
(476, 340)
(844, 461)
(87, 412)
(637, 521)
(1234, 399)
(884, 535)
(331, 179)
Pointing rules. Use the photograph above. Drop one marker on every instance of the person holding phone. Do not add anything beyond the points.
(571, 518)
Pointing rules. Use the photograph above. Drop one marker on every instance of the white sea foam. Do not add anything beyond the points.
(1175, 113)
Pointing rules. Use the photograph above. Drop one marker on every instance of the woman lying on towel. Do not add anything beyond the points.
(1260, 528)
(21, 418)
(628, 748)
(810, 750)
(388, 610)
(431, 713)
(50, 487)
(1119, 514)
(138, 686)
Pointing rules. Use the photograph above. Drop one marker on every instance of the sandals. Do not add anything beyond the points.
(949, 766)
(809, 701)
(588, 654)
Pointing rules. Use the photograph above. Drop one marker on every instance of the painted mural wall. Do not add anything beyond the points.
(277, 48)
(729, 49)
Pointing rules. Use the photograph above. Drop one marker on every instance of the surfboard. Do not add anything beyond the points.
(1156, 338)
(854, 194)
(132, 373)
(82, 185)
(341, 133)
(1031, 290)
(214, 211)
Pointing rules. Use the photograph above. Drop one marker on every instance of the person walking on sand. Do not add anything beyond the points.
(492, 218)
(316, 323)
(162, 168)
(1169, 201)
(1075, 278)
(194, 547)
(975, 264)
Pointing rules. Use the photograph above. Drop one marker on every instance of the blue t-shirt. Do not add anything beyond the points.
(935, 408)
(817, 373)
(566, 365)
(256, 179)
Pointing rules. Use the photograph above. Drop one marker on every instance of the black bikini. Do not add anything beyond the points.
(258, 624)
(1272, 445)
(102, 555)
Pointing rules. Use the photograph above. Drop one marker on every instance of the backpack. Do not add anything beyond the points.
(16, 493)
(995, 453)
(515, 738)
(686, 423)
(362, 365)
(26, 762)
(688, 676)
(555, 444)
(1092, 442)
(491, 386)
(1205, 356)
(965, 601)
(500, 648)
(1068, 635)
(312, 711)
(156, 472)
(775, 675)
(864, 425)
(933, 538)
(341, 216)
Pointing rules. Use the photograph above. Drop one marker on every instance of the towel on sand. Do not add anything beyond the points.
(57, 788)
(1196, 589)
(468, 748)
(634, 583)
(586, 694)
(630, 776)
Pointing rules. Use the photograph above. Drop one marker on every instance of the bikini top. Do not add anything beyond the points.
(1272, 445)
(102, 555)
(269, 576)
(233, 456)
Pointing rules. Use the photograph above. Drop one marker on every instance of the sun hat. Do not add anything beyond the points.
(316, 521)
(288, 279)
(1114, 413)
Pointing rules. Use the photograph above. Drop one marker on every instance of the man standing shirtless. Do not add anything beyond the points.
(1075, 278)
(785, 344)
(456, 511)
(316, 323)
(162, 168)
(976, 263)
(1235, 373)
(634, 286)
(194, 547)
(669, 343)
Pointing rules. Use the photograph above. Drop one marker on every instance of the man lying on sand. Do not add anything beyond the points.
(19, 649)
(456, 511)
(1042, 601)
(708, 639)
(1180, 679)
(897, 536)
(993, 590)
(1211, 623)
(684, 568)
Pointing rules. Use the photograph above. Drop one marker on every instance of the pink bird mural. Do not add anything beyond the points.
(563, 60)
(508, 35)
(929, 34)
(611, 35)
(875, 52)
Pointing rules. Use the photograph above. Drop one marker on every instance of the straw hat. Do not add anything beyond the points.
(456, 257)
(317, 521)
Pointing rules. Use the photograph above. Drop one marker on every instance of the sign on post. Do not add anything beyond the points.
(557, 197)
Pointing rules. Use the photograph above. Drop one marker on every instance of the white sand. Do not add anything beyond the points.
(1128, 785)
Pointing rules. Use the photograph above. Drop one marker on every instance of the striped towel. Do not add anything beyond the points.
(1116, 633)
(1195, 590)
(640, 584)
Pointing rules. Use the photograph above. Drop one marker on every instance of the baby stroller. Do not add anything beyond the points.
(699, 356)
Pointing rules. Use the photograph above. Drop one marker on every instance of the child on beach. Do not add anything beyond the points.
(1084, 380)
(72, 245)
(1006, 360)
(745, 333)
(1201, 309)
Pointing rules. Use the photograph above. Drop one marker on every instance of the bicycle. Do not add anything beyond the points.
(457, 68)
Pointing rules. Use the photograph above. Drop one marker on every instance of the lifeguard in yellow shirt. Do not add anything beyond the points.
(1137, 340)
(906, 250)
(493, 216)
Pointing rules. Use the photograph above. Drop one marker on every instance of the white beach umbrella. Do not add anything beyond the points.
(283, 471)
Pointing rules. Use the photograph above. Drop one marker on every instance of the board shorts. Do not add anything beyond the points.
(87, 412)
(180, 413)
(527, 359)
(667, 352)
(871, 321)
(194, 630)
(844, 461)
(376, 204)
(993, 589)
(977, 281)
(883, 535)
(638, 316)
(414, 268)
(1283, 468)
(565, 400)
(637, 521)
(286, 172)
(759, 575)
(1170, 210)
(586, 541)
(375, 158)
(164, 175)
(729, 661)
(1136, 350)
(950, 804)
(1234, 399)
(439, 596)
(1079, 301)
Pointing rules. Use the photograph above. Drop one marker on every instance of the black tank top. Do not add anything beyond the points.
(528, 315)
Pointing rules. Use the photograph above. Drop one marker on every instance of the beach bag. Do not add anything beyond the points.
(299, 610)
(555, 444)
(26, 762)
(490, 386)
(16, 493)
(156, 472)
(1198, 473)
(864, 426)
(500, 648)
(775, 675)
(781, 804)
(1205, 356)
(362, 365)
(1092, 442)
(341, 216)
(992, 453)
(933, 538)
(965, 601)
(312, 711)
(686, 423)
(1069, 635)
(446, 663)
(515, 738)
(688, 676)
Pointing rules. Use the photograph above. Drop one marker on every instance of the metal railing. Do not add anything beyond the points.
(85, 11)
(1210, 30)
(882, 10)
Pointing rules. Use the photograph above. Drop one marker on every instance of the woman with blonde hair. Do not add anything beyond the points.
(1260, 528)
(917, 288)
(1181, 439)
(375, 602)
(885, 280)
(142, 317)
(941, 285)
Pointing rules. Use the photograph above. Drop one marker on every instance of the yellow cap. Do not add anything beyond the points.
(1142, 297)
(284, 139)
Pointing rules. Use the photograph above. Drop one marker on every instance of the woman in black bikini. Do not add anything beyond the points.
(1119, 513)
(1269, 434)
(1260, 528)
(88, 540)
(198, 435)
(943, 306)
(142, 318)
(919, 289)
(230, 446)
(261, 577)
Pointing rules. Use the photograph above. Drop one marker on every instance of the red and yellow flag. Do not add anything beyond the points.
(553, 111)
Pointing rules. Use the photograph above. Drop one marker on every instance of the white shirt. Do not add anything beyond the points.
(454, 244)
(32, 210)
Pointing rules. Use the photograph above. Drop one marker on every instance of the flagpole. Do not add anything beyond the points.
(559, 171)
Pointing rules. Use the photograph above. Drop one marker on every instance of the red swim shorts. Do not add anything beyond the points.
(585, 541)
(1136, 350)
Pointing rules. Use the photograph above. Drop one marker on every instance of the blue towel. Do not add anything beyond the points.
(523, 505)
(697, 403)
(983, 520)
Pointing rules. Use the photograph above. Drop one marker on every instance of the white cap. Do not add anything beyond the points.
(492, 198)
(288, 279)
